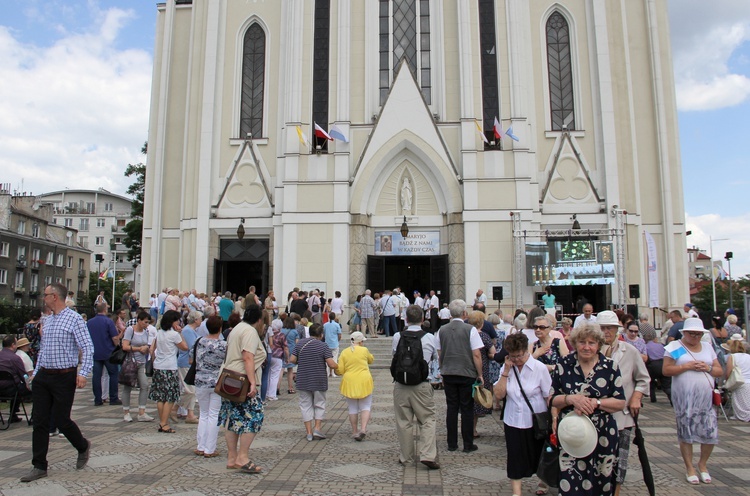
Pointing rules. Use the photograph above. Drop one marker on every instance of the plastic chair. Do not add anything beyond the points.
(11, 399)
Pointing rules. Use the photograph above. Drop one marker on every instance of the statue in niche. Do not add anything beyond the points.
(406, 197)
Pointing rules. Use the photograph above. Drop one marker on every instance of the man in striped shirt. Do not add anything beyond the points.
(55, 379)
(367, 313)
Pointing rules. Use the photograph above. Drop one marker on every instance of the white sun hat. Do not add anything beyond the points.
(577, 435)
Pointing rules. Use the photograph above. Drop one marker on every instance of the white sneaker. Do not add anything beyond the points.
(145, 418)
(61, 435)
(53, 434)
(127, 417)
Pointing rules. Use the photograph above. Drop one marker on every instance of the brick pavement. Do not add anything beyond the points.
(135, 459)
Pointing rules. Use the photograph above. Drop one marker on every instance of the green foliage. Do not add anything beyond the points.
(13, 317)
(704, 298)
(134, 228)
(104, 285)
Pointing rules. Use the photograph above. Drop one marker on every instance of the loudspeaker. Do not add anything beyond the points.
(635, 291)
(497, 293)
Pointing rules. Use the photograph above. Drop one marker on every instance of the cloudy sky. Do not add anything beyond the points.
(75, 85)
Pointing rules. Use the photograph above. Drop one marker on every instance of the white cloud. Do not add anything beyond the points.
(704, 37)
(75, 113)
(729, 234)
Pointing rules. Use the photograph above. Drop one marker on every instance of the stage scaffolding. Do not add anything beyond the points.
(616, 234)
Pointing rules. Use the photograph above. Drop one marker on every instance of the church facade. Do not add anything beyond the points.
(502, 145)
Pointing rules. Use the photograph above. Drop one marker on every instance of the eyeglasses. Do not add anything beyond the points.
(517, 357)
(49, 294)
(540, 327)
(633, 331)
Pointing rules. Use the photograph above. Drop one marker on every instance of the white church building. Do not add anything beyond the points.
(518, 144)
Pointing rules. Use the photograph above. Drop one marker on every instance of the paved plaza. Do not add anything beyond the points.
(135, 459)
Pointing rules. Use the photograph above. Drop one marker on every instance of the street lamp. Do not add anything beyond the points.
(713, 276)
(404, 229)
(99, 257)
(728, 257)
(241, 229)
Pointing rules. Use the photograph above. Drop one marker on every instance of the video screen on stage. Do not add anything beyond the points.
(570, 262)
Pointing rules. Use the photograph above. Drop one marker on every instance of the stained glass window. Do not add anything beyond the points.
(490, 94)
(253, 76)
(320, 68)
(560, 70)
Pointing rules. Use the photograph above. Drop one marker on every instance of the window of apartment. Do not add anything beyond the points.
(253, 79)
(108, 207)
(68, 283)
(559, 67)
(35, 230)
(32, 302)
(405, 35)
(80, 285)
(84, 224)
(68, 222)
(50, 258)
(19, 279)
(47, 281)
(36, 254)
(21, 227)
(101, 222)
(58, 280)
(4, 249)
(121, 222)
(60, 259)
(90, 208)
(99, 241)
(21, 253)
(3, 276)
(83, 241)
(34, 286)
(18, 302)
(70, 262)
(80, 264)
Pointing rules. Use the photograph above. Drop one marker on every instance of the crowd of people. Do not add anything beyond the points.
(592, 375)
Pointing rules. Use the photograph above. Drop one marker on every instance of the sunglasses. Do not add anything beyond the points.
(540, 327)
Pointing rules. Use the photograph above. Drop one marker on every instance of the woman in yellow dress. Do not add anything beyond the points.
(356, 383)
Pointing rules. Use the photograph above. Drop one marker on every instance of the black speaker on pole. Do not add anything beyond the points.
(497, 293)
(635, 291)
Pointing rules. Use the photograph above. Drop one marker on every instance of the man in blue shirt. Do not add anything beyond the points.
(226, 307)
(105, 337)
(332, 330)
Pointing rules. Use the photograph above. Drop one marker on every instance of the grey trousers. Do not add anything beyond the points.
(415, 405)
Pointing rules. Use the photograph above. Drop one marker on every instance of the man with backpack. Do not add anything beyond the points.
(413, 396)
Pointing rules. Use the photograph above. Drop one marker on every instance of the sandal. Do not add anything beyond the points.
(250, 468)
(704, 477)
(692, 479)
(291, 391)
(168, 430)
(211, 455)
(541, 489)
(198, 452)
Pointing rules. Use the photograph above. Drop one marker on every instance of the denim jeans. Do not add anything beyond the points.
(96, 384)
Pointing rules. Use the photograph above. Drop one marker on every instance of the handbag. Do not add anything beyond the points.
(118, 355)
(735, 379)
(149, 368)
(232, 386)
(548, 469)
(190, 376)
(128, 372)
(541, 422)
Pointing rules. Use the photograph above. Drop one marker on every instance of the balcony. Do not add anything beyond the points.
(19, 290)
(35, 264)
(81, 274)
(34, 291)
(21, 263)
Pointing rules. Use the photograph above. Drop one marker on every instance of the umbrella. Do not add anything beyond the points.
(648, 477)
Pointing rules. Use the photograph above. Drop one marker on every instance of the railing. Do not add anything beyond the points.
(81, 274)
(21, 263)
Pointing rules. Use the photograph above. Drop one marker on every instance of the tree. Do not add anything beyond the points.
(134, 228)
(704, 298)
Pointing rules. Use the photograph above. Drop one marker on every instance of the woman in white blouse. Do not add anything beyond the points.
(521, 370)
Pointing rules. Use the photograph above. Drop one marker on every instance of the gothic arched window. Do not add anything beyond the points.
(560, 71)
(253, 77)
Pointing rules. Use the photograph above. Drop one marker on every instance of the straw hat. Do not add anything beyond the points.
(577, 435)
(482, 396)
(725, 346)
(22, 342)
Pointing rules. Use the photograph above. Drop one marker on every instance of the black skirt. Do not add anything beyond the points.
(523, 452)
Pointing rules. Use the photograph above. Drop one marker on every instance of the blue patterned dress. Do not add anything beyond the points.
(590, 476)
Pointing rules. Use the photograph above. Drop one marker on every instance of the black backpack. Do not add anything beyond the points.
(408, 365)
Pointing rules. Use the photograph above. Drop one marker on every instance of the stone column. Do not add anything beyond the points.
(456, 269)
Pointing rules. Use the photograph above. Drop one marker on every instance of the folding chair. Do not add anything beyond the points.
(12, 400)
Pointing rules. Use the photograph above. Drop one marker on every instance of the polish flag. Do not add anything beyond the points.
(321, 133)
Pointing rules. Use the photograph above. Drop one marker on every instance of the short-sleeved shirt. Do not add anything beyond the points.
(166, 349)
(332, 331)
(226, 307)
(429, 343)
(102, 330)
(28, 364)
(549, 301)
(244, 337)
(311, 356)
(676, 330)
(190, 336)
(211, 353)
(137, 339)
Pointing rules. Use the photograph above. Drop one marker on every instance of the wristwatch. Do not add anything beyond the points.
(598, 403)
